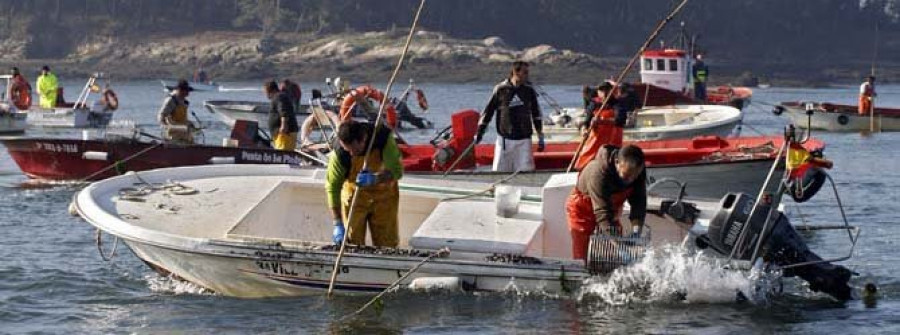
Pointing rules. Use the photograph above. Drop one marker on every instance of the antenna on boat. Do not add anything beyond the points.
(378, 118)
(624, 72)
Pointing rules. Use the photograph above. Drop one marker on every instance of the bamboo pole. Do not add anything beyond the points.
(384, 100)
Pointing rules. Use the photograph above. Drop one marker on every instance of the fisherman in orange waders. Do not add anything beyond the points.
(378, 202)
(601, 125)
(613, 176)
(866, 95)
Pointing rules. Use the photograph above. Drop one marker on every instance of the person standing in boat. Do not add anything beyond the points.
(173, 116)
(282, 118)
(378, 202)
(613, 176)
(47, 85)
(19, 90)
(293, 91)
(626, 103)
(515, 102)
(700, 72)
(604, 126)
(867, 96)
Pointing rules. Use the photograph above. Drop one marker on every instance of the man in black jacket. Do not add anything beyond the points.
(282, 118)
(516, 105)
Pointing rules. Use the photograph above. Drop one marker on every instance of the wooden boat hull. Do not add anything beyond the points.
(70, 159)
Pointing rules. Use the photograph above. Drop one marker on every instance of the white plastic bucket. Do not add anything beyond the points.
(506, 198)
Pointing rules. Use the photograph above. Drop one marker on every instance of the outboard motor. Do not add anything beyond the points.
(463, 126)
(781, 244)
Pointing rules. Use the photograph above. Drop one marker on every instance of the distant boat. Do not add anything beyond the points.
(231, 110)
(666, 80)
(764, 86)
(168, 85)
(835, 117)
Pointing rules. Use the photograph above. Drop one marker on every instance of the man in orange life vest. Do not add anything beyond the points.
(19, 90)
(866, 95)
(604, 126)
(612, 177)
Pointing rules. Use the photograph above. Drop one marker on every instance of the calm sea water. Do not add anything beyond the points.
(52, 279)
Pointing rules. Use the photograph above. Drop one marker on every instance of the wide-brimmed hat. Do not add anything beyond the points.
(183, 86)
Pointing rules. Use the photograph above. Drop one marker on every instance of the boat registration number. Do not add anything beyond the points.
(57, 147)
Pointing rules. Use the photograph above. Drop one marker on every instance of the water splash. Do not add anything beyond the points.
(171, 285)
(674, 274)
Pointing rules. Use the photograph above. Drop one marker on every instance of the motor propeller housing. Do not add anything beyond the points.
(781, 245)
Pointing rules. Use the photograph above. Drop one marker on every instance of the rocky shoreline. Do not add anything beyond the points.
(365, 57)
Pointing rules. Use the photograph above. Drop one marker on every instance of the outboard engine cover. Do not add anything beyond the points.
(730, 219)
(464, 125)
(781, 245)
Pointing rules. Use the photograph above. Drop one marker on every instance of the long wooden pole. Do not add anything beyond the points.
(387, 93)
(624, 72)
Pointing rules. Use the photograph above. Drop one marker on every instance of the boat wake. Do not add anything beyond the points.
(673, 274)
(238, 89)
(171, 285)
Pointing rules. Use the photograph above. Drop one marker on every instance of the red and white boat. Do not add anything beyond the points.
(666, 80)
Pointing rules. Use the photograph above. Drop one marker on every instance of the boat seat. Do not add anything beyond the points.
(473, 226)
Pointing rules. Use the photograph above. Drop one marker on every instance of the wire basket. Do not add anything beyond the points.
(607, 253)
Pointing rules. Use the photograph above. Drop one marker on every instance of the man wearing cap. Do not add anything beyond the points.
(173, 116)
(47, 85)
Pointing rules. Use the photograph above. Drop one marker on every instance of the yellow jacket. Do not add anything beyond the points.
(47, 85)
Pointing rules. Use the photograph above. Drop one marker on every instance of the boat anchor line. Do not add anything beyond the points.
(99, 244)
(440, 253)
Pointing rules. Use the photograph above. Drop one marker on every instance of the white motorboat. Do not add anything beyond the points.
(202, 87)
(264, 231)
(654, 123)
(231, 110)
(80, 114)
